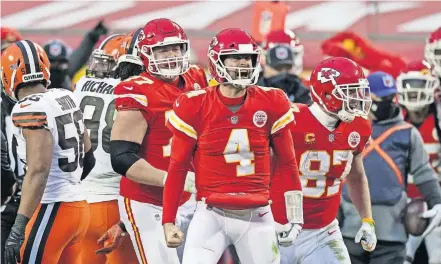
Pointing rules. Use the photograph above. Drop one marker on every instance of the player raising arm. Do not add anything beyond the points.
(227, 131)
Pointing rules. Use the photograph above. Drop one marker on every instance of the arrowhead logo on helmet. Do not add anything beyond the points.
(327, 75)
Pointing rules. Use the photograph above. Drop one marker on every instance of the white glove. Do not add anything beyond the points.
(435, 214)
(189, 185)
(287, 233)
(366, 235)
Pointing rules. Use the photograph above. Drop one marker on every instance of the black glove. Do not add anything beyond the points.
(15, 240)
(99, 30)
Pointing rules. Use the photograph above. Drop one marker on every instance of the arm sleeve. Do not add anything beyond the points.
(431, 192)
(31, 115)
(80, 55)
(286, 178)
(419, 165)
(283, 114)
(181, 153)
(8, 177)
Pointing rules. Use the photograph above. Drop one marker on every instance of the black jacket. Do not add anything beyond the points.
(296, 90)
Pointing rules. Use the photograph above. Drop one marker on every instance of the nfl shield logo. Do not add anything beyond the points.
(331, 137)
(234, 120)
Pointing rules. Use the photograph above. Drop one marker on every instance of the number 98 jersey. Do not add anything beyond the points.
(57, 111)
(97, 103)
(324, 159)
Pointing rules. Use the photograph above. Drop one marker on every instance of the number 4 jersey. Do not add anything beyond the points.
(324, 159)
(57, 111)
(97, 103)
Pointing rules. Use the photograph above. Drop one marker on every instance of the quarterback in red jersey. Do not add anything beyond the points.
(227, 132)
(140, 141)
(328, 151)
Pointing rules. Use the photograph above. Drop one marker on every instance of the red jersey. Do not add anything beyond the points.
(155, 99)
(232, 153)
(431, 143)
(325, 158)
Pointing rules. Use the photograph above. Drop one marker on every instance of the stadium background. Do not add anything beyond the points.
(395, 26)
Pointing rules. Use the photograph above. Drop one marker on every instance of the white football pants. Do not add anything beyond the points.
(312, 246)
(251, 231)
(144, 225)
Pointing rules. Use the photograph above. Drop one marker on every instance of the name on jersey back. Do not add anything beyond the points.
(97, 87)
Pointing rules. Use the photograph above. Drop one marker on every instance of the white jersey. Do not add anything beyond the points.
(58, 111)
(97, 103)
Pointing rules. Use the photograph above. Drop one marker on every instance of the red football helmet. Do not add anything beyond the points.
(286, 37)
(338, 84)
(416, 85)
(432, 51)
(233, 41)
(9, 36)
(163, 32)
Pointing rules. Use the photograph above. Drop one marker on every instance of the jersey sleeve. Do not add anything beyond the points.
(183, 118)
(283, 111)
(199, 74)
(131, 95)
(32, 114)
(365, 135)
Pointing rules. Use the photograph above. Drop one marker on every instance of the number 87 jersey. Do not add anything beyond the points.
(324, 159)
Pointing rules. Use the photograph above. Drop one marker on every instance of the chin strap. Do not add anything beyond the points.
(294, 206)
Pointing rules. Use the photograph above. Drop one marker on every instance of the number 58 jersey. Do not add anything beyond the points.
(97, 102)
(324, 159)
(57, 111)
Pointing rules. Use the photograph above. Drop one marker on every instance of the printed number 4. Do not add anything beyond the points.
(238, 150)
(318, 174)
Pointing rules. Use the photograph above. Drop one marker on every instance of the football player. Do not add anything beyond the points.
(227, 131)
(328, 151)
(53, 215)
(95, 92)
(140, 142)
(417, 87)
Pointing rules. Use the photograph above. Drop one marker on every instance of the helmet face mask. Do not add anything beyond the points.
(234, 58)
(164, 48)
(340, 87)
(103, 61)
(168, 60)
(416, 89)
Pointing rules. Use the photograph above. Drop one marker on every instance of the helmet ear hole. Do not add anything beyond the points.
(18, 62)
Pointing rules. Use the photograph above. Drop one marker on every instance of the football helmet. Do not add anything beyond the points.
(102, 63)
(432, 51)
(286, 37)
(163, 32)
(23, 62)
(416, 86)
(128, 51)
(339, 85)
(233, 41)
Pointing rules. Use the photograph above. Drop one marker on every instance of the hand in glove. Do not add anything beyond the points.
(366, 235)
(435, 215)
(112, 239)
(15, 240)
(287, 233)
